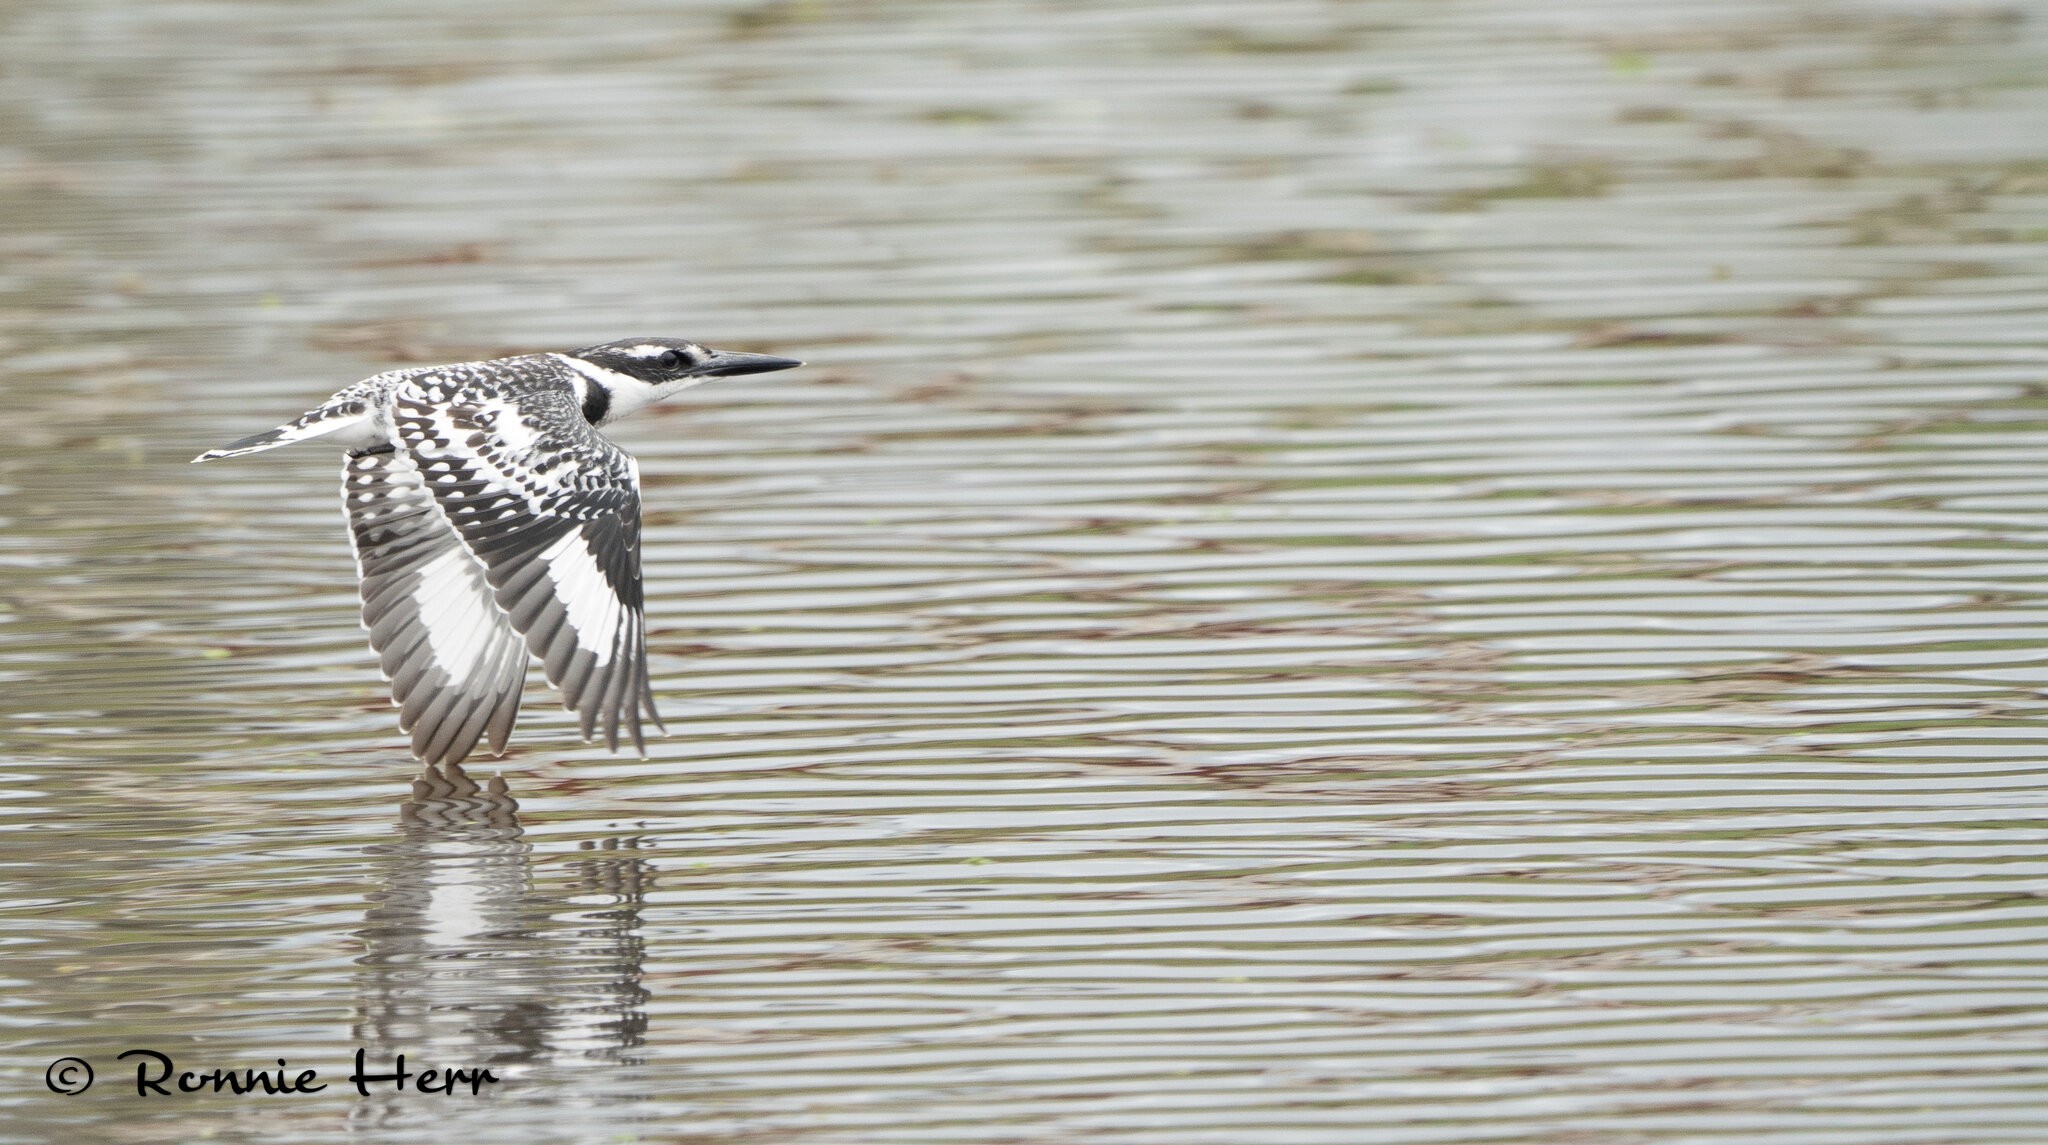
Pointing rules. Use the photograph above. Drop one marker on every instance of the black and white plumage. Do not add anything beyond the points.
(491, 520)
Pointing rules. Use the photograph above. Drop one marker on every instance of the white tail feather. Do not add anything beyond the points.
(353, 431)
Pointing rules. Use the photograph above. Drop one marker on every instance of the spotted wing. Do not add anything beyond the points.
(455, 663)
(552, 509)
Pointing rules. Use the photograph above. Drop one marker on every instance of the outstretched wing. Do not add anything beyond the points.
(455, 664)
(552, 509)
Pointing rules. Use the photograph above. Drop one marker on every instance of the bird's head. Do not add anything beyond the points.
(668, 361)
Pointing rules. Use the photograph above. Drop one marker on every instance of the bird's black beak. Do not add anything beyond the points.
(732, 363)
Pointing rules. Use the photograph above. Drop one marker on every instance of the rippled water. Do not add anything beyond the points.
(1343, 572)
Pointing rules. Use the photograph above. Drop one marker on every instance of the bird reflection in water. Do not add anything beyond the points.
(474, 957)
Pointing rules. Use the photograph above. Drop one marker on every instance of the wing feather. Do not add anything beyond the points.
(551, 510)
(455, 663)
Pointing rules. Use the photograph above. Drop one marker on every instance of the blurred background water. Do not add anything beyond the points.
(1381, 571)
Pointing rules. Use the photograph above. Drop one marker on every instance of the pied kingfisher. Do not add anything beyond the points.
(490, 519)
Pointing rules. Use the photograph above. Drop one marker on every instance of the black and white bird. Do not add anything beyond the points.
(492, 520)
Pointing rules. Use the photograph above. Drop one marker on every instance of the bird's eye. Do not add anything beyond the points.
(674, 359)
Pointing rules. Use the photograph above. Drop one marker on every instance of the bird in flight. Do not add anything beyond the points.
(491, 520)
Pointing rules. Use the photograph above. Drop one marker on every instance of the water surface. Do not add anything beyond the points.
(1343, 572)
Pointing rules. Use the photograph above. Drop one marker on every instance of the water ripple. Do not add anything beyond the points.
(1343, 572)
